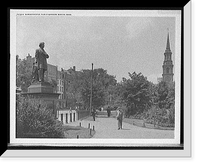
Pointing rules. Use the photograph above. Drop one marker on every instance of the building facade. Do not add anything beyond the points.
(51, 72)
(67, 116)
(51, 75)
(61, 88)
(168, 64)
(30, 60)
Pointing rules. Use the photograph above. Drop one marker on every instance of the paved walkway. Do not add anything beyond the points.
(107, 128)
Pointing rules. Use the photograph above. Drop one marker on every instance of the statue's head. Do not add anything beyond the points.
(41, 45)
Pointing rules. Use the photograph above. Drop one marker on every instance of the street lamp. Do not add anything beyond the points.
(91, 89)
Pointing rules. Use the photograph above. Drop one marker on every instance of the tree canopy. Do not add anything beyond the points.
(79, 84)
(24, 73)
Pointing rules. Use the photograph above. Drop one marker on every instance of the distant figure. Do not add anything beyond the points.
(108, 111)
(41, 59)
(119, 117)
(93, 113)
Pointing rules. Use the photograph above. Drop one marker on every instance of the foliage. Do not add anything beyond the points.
(135, 93)
(162, 108)
(144, 100)
(79, 87)
(23, 73)
(161, 94)
(35, 120)
(98, 95)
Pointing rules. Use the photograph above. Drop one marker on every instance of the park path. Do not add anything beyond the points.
(107, 128)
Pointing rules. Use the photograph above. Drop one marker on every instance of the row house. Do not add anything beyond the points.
(61, 88)
(51, 75)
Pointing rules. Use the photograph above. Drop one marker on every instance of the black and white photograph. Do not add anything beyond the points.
(96, 78)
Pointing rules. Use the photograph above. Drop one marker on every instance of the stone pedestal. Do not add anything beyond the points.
(44, 92)
(40, 87)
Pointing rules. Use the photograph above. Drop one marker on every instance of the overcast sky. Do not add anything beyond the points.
(117, 44)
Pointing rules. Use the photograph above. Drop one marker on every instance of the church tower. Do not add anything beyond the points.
(167, 64)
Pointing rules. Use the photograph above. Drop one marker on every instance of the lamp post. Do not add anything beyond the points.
(91, 89)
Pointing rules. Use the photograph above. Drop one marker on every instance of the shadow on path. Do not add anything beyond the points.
(125, 129)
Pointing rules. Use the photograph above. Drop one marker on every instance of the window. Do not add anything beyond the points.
(61, 117)
(70, 117)
(66, 118)
(74, 117)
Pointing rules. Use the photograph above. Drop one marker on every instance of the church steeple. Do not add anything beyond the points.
(168, 64)
(168, 52)
(168, 44)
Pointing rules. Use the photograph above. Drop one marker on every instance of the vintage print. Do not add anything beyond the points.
(95, 78)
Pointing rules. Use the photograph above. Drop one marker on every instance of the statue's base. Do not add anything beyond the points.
(40, 87)
(44, 92)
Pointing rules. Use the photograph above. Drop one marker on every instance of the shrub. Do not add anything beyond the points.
(34, 120)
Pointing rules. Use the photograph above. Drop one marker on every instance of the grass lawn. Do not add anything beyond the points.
(74, 131)
(139, 122)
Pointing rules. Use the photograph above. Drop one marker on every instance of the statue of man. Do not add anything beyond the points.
(41, 59)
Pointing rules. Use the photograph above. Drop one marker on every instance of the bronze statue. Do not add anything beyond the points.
(41, 61)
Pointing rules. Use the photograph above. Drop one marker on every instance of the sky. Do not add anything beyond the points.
(116, 44)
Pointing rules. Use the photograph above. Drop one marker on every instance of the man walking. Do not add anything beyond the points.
(108, 111)
(41, 59)
(119, 118)
(93, 113)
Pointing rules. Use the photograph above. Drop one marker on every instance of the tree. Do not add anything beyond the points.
(79, 87)
(36, 120)
(165, 95)
(73, 84)
(23, 73)
(163, 103)
(171, 103)
(171, 95)
(135, 93)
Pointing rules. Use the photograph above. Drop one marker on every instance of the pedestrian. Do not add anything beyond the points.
(93, 113)
(108, 111)
(119, 118)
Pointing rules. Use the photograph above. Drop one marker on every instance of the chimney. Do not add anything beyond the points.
(74, 68)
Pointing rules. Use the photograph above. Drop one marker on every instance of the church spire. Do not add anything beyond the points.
(168, 64)
(168, 44)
